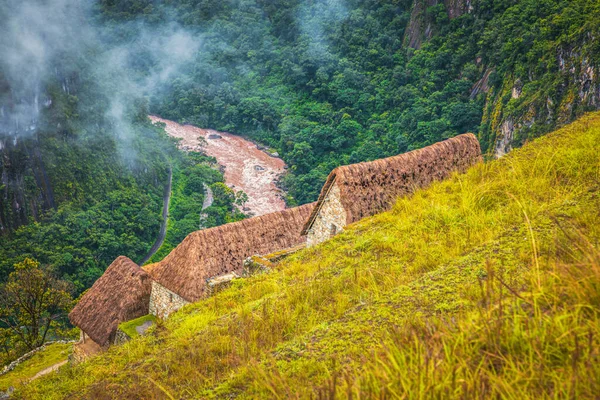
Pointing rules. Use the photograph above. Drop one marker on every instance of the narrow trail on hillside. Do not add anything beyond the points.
(50, 369)
(247, 167)
(165, 216)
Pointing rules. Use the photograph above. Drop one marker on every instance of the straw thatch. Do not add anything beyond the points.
(216, 251)
(121, 294)
(372, 187)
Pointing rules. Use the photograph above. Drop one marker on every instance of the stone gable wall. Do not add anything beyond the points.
(332, 214)
(163, 301)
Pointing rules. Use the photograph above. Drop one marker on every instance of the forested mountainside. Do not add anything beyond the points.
(341, 81)
(82, 169)
(482, 286)
(323, 82)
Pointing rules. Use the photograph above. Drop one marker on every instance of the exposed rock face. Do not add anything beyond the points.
(456, 8)
(531, 115)
(504, 143)
(517, 89)
(22, 115)
(419, 27)
(482, 86)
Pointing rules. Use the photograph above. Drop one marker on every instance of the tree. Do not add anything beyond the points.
(32, 303)
(223, 195)
(241, 198)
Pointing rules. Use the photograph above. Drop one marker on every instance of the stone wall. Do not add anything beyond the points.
(215, 285)
(27, 356)
(121, 338)
(163, 301)
(330, 220)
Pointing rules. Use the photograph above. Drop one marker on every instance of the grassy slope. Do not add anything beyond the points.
(486, 284)
(129, 326)
(53, 354)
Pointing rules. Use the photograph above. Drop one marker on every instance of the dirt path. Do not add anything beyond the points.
(163, 227)
(246, 167)
(52, 368)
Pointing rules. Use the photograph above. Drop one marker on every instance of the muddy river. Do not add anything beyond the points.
(246, 167)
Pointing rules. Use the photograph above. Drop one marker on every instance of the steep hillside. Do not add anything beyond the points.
(485, 285)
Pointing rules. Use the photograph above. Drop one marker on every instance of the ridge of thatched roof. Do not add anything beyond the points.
(122, 293)
(216, 251)
(372, 187)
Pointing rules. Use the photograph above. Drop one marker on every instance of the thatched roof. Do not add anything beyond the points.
(369, 188)
(217, 251)
(121, 294)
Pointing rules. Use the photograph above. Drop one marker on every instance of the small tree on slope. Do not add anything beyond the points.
(32, 301)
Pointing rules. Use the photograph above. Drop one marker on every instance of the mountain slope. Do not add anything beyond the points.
(484, 285)
(335, 82)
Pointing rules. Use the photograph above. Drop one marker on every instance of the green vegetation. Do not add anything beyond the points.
(51, 355)
(332, 82)
(82, 181)
(107, 192)
(33, 308)
(482, 286)
(189, 178)
(129, 326)
(323, 83)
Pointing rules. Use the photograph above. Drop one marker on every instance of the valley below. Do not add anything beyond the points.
(246, 167)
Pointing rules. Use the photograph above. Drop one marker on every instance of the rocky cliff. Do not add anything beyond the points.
(26, 190)
(538, 68)
(425, 14)
(526, 107)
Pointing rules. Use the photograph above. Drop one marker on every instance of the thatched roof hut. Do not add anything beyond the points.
(122, 293)
(217, 251)
(368, 188)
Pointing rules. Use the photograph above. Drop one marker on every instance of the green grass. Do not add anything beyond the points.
(41, 360)
(129, 326)
(483, 286)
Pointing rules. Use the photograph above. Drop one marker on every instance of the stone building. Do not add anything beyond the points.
(183, 276)
(356, 191)
(164, 301)
(121, 294)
